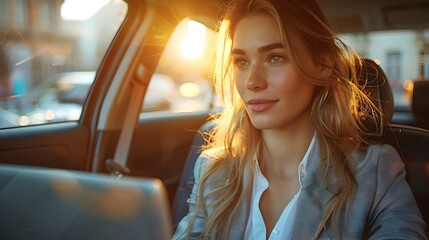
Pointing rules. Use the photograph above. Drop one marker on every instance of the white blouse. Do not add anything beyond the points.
(255, 228)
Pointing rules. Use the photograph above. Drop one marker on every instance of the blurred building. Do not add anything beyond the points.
(38, 44)
(30, 38)
(403, 54)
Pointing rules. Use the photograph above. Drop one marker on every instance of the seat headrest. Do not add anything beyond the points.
(420, 100)
(374, 82)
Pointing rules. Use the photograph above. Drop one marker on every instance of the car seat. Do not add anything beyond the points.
(412, 144)
(420, 103)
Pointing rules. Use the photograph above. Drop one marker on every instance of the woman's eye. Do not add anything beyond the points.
(240, 63)
(276, 59)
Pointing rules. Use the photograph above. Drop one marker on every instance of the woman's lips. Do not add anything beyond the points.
(261, 105)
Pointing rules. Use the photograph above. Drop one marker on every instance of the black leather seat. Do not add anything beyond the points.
(420, 103)
(411, 143)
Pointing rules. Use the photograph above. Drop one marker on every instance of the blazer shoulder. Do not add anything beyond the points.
(383, 158)
(386, 155)
(204, 163)
(201, 165)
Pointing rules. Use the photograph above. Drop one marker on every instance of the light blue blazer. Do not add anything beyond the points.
(382, 207)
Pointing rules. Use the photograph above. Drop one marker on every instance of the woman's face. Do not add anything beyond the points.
(275, 94)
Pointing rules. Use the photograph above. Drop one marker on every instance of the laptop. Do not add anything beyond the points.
(40, 203)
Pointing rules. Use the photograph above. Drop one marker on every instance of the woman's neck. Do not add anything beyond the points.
(284, 149)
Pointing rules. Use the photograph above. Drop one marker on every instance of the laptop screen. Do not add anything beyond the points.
(37, 203)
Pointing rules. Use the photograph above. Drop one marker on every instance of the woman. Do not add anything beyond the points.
(288, 158)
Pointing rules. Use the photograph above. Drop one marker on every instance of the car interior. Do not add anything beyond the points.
(111, 136)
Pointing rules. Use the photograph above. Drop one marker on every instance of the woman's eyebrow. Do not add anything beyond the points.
(265, 48)
(270, 47)
(238, 51)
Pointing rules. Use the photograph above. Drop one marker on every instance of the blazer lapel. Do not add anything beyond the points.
(240, 218)
(316, 199)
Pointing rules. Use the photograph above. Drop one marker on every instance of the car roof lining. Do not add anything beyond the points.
(346, 16)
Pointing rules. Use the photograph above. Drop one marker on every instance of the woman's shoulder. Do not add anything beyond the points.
(383, 151)
(376, 168)
(209, 161)
(202, 163)
(382, 158)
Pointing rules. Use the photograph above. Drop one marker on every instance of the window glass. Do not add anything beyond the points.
(393, 67)
(4, 12)
(402, 54)
(45, 15)
(182, 80)
(20, 13)
(49, 53)
(425, 66)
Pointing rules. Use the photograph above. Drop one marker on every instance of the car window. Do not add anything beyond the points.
(49, 54)
(402, 54)
(182, 81)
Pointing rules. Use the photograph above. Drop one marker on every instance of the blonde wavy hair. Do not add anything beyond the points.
(338, 111)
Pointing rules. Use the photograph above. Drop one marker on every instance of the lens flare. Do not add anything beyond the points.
(194, 42)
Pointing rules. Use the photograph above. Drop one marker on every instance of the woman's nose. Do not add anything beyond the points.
(256, 80)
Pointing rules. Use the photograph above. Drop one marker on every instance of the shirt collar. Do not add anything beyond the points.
(306, 159)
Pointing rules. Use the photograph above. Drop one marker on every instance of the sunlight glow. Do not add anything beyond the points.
(189, 89)
(23, 121)
(408, 85)
(81, 10)
(193, 45)
(377, 61)
(49, 115)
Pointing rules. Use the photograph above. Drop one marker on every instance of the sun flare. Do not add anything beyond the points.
(194, 42)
